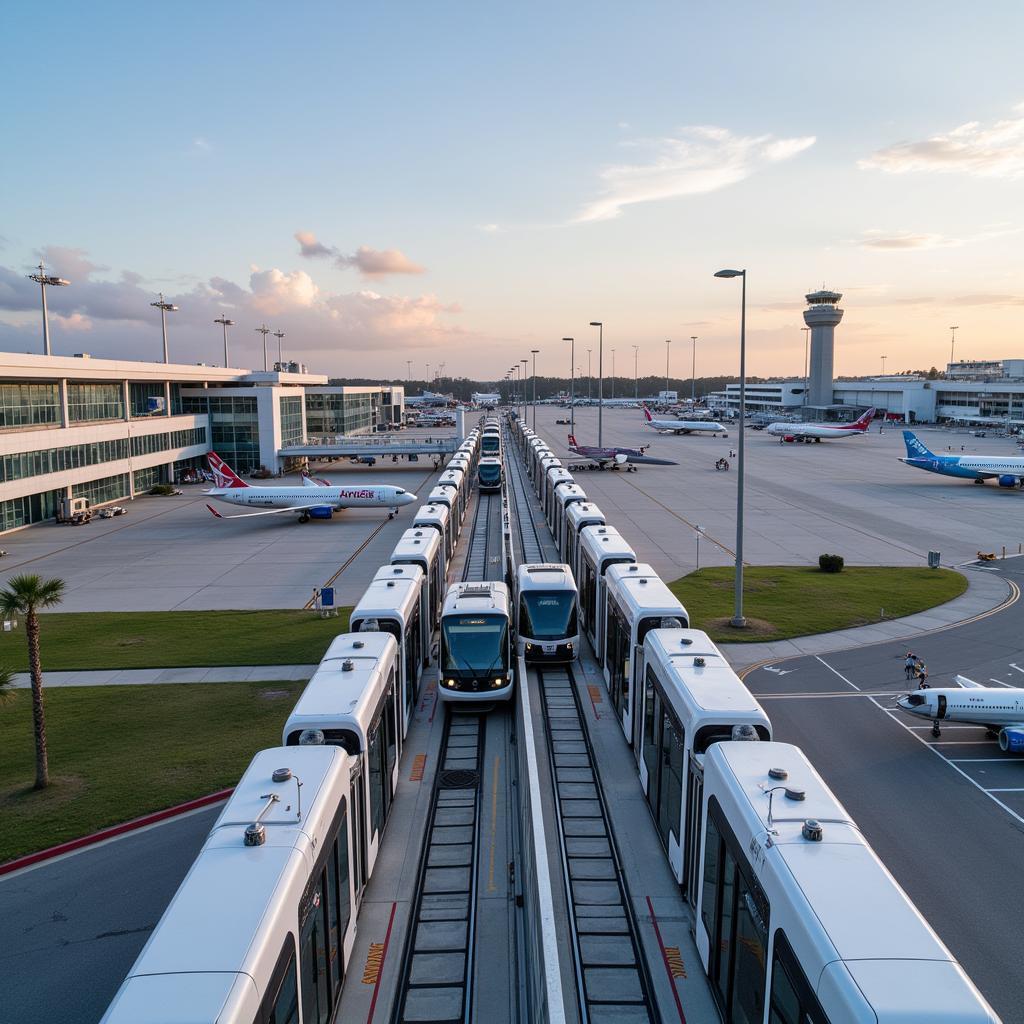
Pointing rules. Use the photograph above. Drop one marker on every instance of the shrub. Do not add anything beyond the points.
(161, 489)
(830, 563)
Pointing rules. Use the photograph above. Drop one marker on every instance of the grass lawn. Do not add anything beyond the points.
(81, 640)
(786, 601)
(191, 739)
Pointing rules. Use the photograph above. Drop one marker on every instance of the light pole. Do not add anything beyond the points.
(600, 380)
(636, 376)
(43, 279)
(807, 359)
(408, 369)
(738, 620)
(264, 330)
(165, 308)
(589, 350)
(279, 334)
(952, 342)
(524, 362)
(428, 376)
(572, 384)
(883, 364)
(697, 532)
(534, 352)
(225, 323)
(668, 349)
(613, 375)
(693, 372)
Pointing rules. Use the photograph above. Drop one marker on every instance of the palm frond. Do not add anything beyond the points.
(7, 691)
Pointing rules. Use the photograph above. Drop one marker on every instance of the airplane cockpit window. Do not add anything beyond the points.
(399, 490)
(915, 700)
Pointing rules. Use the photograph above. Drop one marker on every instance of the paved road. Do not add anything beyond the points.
(946, 816)
(71, 929)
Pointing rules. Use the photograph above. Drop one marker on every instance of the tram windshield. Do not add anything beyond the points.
(548, 614)
(489, 473)
(491, 444)
(476, 644)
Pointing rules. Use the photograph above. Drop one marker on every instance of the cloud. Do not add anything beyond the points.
(902, 241)
(698, 159)
(984, 151)
(112, 315)
(988, 300)
(369, 262)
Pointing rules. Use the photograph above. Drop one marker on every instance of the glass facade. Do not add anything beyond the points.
(291, 420)
(29, 405)
(21, 465)
(234, 428)
(109, 488)
(147, 399)
(33, 508)
(95, 402)
(336, 413)
(177, 404)
(143, 479)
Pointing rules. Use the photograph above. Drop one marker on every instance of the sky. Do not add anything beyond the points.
(401, 185)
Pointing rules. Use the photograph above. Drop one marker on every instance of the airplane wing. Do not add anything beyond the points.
(271, 511)
(967, 684)
(649, 460)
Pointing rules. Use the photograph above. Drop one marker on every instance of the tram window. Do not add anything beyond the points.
(588, 594)
(650, 751)
(313, 962)
(281, 1003)
(375, 760)
(344, 896)
(748, 982)
(335, 936)
(712, 867)
(708, 734)
(391, 725)
(792, 999)
(672, 773)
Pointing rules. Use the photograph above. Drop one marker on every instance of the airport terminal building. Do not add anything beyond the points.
(106, 430)
(980, 392)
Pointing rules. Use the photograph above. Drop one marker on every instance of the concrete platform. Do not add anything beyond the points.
(169, 553)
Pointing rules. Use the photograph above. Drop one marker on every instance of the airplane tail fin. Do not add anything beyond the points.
(572, 441)
(915, 448)
(223, 474)
(647, 413)
(865, 421)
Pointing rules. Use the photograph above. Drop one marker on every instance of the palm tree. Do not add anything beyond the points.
(6, 685)
(26, 595)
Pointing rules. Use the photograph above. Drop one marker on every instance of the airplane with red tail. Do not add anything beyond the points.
(600, 458)
(816, 431)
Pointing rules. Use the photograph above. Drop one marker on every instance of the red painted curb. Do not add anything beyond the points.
(114, 830)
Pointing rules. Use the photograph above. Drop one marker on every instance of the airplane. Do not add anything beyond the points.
(816, 431)
(684, 426)
(1007, 470)
(599, 458)
(999, 709)
(316, 499)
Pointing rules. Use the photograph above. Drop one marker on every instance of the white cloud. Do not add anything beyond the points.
(698, 159)
(368, 261)
(904, 240)
(985, 151)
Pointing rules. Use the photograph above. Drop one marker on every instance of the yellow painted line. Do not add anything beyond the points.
(374, 962)
(675, 962)
(418, 764)
(494, 821)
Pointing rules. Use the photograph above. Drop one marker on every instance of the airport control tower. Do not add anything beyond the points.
(822, 315)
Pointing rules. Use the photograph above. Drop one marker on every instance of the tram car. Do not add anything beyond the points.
(422, 546)
(547, 614)
(476, 660)
(489, 473)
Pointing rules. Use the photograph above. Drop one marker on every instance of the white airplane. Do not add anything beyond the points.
(999, 709)
(316, 499)
(816, 431)
(684, 426)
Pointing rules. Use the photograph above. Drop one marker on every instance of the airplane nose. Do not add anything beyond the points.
(409, 498)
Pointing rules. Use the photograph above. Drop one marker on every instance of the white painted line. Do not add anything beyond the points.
(982, 760)
(999, 682)
(957, 743)
(1016, 790)
(946, 728)
(1017, 667)
(840, 674)
(829, 694)
(938, 753)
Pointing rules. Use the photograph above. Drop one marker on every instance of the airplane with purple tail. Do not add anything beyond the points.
(603, 458)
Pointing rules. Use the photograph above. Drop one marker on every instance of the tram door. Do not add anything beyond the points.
(694, 827)
(360, 840)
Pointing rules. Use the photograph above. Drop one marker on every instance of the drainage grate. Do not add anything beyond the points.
(458, 778)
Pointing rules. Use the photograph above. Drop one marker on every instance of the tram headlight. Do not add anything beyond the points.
(497, 683)
(450, 683)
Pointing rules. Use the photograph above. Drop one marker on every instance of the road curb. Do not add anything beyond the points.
(114, 830)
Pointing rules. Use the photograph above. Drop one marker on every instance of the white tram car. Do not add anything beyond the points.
(422, 546)
(547, 614)
(476, 660)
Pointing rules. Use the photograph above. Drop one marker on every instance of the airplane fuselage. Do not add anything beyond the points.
(811, 430)
(372, 496)
(686, 426)
(971, 467)
(997, 708)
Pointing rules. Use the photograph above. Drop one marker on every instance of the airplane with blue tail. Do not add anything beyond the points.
(1008, 471)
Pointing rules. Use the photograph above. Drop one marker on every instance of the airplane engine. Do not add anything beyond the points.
(1011, 741)
(621, 460)
(323, 512)
(1006, 480)
(788, 438)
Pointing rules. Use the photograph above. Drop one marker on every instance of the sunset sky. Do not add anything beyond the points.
(463, 182)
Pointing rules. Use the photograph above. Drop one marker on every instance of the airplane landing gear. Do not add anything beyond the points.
(392, 513)
(936, 731)
(304, 518)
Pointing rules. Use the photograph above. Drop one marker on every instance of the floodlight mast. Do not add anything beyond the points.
(43, 279)
(225, 323)
(165, 308)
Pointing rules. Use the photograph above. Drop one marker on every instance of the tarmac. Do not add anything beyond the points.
(159, 676)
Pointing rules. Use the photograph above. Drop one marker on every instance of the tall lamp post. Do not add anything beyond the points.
(636, 376)
(408, 369)
(225, 323)
(952, 342)
(668, 349)
(524, 362)
(44, 280)
(738, 620)
(883, 364)
(534, 352)
(165, 308)
(693, 372)
(613, 375)
(279, 334)
(589, 350)
(600, 380)
(264, 330)
(572, 384)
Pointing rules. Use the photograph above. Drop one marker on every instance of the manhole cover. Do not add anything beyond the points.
(458, 778)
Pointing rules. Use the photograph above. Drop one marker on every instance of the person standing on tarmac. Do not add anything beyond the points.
(922, 675)
(910, 666)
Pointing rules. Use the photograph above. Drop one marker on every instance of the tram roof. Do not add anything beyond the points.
(639, 589)
(417, 542)
(388, 599)
(601, 541)
(545, 576)
(585, 510)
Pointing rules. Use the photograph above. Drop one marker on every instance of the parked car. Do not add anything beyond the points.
(114, 510)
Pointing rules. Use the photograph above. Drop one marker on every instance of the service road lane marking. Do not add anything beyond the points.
(840, 674)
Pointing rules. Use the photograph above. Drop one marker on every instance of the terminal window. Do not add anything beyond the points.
(29, 405)
(95, 402)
